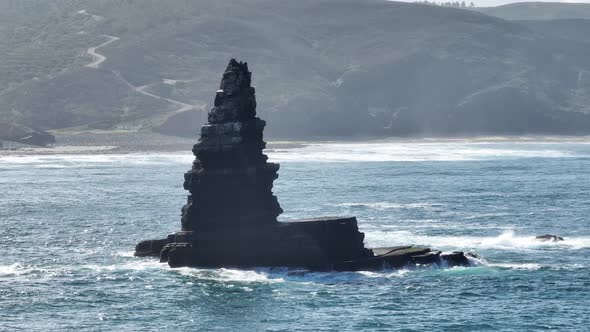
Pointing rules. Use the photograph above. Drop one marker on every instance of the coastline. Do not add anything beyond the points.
(124, 142)
(119, 142)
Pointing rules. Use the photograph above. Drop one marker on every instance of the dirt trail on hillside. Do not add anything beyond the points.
(99, 58)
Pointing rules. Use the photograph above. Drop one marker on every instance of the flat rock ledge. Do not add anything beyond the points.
(317, 245)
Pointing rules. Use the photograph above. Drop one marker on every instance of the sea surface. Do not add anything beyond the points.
(69, 223)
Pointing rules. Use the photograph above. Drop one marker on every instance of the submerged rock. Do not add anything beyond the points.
(150, 248)
(230, 218)
(549, 238)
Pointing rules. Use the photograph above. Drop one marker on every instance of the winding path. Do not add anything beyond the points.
(99, 58)
(184, 107)
(141, 89)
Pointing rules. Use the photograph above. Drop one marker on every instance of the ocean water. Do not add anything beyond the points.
(69, 223)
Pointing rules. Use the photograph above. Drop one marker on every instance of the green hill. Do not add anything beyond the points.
(539, 11)
(572, 29)
(338, 68)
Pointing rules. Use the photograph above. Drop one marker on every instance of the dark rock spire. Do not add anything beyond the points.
(230, 181)
(235, 99)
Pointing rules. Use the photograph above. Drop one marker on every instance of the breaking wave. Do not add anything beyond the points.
(30, 271)
(323, 152)
(535, 266)
(231, 275)
(11, 270)
(382, 152)
(244, 279)
(390, 205)
(75, 160)
(131, 265)
(508, 240)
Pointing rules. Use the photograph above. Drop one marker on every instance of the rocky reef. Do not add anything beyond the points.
(549, 238)
(230, 218)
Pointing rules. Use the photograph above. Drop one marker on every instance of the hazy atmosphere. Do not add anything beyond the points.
(294, 165)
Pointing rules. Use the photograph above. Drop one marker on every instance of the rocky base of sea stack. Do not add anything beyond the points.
(322, 244)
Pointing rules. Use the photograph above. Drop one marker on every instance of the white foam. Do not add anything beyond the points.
(521, 266)
(536, 266)
(391, 205)
(505, 241)
(29, 271)
(13, 269)
(76, 160)
(280, 275)
(325, 152)
(144, 265)
(126, 254)
(412, 151)
(232, 275)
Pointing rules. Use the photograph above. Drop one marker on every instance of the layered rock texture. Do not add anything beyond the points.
(231, 181)
(230, 219)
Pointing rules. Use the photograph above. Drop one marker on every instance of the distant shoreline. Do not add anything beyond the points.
(121, 142)
(148, 142)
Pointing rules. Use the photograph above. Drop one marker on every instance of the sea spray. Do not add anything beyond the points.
(416, 152)
(507, 240)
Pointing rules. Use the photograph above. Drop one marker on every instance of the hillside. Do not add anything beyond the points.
(539, 11)
(337, 68)
(572, 29)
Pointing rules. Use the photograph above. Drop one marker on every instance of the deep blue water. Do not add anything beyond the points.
(68, 225)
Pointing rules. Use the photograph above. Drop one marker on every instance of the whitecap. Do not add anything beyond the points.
(280, 275)
(13, 269)
(420, 151)
(232, 275)
(507, 240)
(77, 160)
(518, 266)
(151, 264)
(31, 271)
(126, 254)
(391, 205)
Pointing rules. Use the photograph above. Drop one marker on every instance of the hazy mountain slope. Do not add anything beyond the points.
(539, 11)
(321, 68)
(573, 29)
(37, 41)
(577, 30)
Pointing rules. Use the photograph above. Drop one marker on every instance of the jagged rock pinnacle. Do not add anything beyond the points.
(235, 100)
(230, 169)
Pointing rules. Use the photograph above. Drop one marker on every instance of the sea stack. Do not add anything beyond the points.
(230, 183)
(230, 218)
